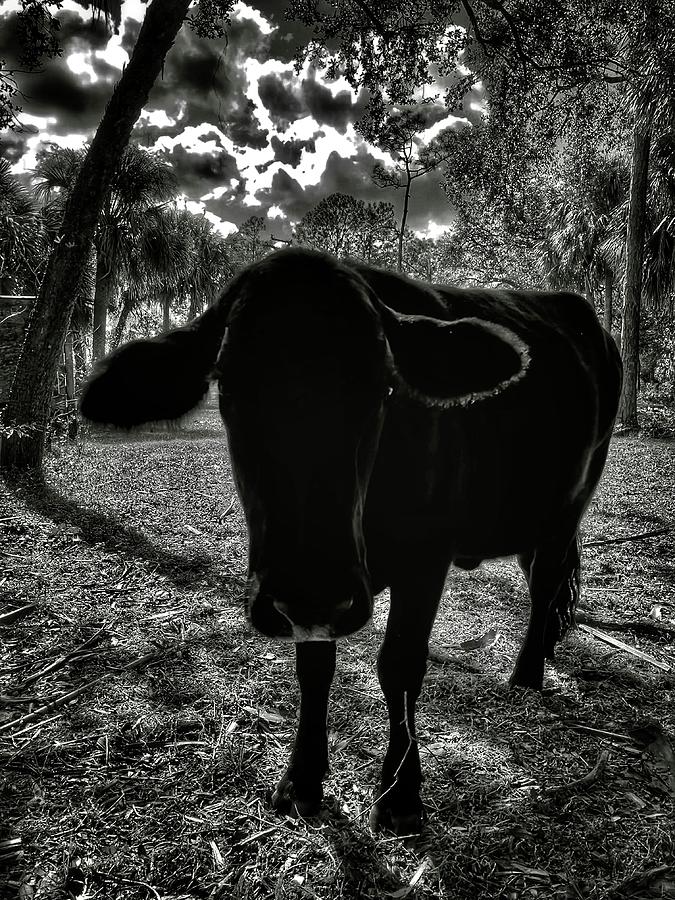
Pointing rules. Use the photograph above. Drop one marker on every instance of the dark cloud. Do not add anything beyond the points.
(281, 99)
(76, 104)
(205, 81)
(13, 145)
(290, 152)
(428, 203)
(74, 35)
(327, 108)
(247, 41)
(55, 90)
(352, 175)
(286, 101)
(199, 173)
(77, 34)
(243, 127)
(130, 34)
(289, 36)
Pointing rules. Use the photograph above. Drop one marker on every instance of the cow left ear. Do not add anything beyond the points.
(454, 363)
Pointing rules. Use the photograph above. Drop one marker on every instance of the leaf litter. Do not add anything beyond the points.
(142, 724)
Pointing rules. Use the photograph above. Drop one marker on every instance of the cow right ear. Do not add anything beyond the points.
(456, 363)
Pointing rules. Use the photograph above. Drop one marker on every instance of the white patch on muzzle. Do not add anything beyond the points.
(315, 633)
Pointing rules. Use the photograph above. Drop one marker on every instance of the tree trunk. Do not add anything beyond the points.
(80, 354)
(196, 306)
(127, 306)
(28, 407)
(588, 287)
(635, 243)
(607, 309)
(103, 294)
(70, 366)
(166, 311)
(404, 219)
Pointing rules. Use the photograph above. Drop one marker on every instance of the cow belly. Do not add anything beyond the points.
(482, 485)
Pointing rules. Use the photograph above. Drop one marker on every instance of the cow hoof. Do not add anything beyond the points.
(286, 801)
(518, 680)
(383, 818)
(530, 685)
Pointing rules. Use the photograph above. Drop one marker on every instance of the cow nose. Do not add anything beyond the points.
(337, 610)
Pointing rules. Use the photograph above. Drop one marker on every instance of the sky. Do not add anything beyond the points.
(245, 134)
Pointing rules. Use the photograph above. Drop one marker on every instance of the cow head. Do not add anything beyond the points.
(308, 362)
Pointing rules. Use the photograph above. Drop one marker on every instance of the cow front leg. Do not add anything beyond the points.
(401, 665)
(300, 790)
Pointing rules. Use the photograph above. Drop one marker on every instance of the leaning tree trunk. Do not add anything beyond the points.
(28, 407)
(607, 311)
(635, 244)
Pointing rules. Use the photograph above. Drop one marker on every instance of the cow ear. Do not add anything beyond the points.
(454, 363)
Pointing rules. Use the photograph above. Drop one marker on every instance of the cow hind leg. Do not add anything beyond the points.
(300, 790)
(552, 573)
(401, 666)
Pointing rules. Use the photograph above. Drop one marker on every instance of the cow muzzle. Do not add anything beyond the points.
(292, 615)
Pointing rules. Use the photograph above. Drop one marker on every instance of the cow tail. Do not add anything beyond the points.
(562, 612)
(158, 379)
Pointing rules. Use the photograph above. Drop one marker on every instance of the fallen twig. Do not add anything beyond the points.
(629, 887)
(629, 537)
(646, 628)
(103, 876)
(58, 663)
(229, 508)
(611, 735)
(580, 784)
(614, 642)
(71, 695)
(14, 614)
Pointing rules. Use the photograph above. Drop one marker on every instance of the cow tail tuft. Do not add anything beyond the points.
(561, 617)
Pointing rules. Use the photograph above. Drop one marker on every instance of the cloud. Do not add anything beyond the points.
(74, 97)
(206, 82)
(290, 152)
(280, 98)
(14, 145)
(328, 108)
(286, 100)
(197, 172)
(244, 133)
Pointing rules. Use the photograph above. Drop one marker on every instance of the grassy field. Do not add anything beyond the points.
(171, 720)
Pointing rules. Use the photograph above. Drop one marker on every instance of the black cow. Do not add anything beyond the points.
(379, 431)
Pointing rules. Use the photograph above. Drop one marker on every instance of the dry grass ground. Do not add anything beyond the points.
(171, 720)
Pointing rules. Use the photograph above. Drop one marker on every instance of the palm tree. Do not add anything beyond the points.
(22, 236)
(582, 215)
(27, 411)
(178, 257)
(140, 182)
